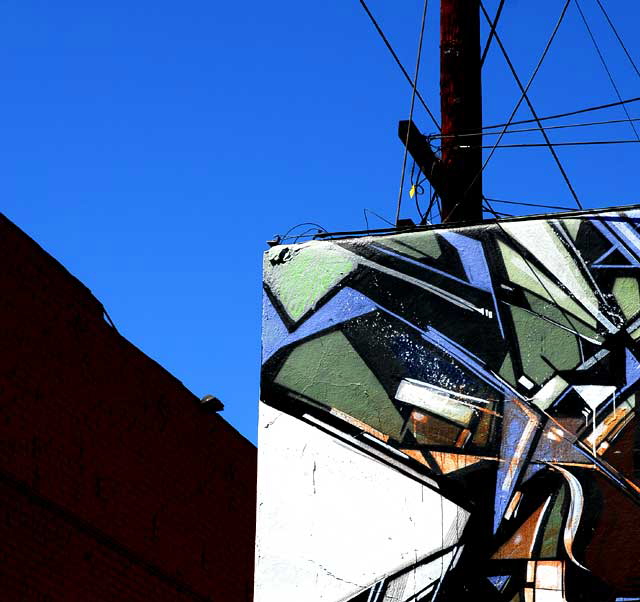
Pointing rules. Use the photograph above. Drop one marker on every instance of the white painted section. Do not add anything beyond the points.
(594, 395)
(416, 581)
(435, 400)
(526, 382)
(332, 521)
(550, 392)
(540, 239)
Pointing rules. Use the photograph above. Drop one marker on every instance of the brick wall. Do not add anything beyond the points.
(114, 484)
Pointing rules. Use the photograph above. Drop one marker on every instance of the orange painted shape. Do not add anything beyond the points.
(451, 462)
(520, 545)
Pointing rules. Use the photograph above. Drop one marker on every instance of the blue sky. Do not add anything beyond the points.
(153, 147)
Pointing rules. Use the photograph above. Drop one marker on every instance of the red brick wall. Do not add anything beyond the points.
(114, 484)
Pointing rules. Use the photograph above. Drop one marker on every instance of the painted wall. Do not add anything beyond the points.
(450, 414)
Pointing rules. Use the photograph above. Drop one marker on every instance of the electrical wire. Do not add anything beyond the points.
(413, 102)
(553, 144)
(524, 130)
(606, 67)
(307, 232)
(366, 219)
(496, 213)
(398, 62)
(290, 230)
(544, 206)
(492, 33)
(615, 31)
(524, 97)
(568, 114)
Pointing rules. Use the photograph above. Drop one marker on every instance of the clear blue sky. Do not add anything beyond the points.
(153, 147)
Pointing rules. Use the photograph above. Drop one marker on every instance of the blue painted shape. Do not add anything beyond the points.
(345, 305)
(475, 265)
(531, 470)
(499, 581)
(599, 263)
(517, 435)
(273, 329)
(556, 448)
(632, 368)
(629, 236)
(472, 257)
(614, 232)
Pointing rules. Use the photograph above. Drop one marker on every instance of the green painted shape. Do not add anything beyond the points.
(506, 370)
(414, 244)
(539, 238)
(563, 318)
(329, 370)
(572, 226)
(627, 293)
(300, 276)
(523, 274)
(553, 528)
(538, 338)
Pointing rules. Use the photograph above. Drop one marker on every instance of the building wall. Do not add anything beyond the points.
(450, 414)
(114, 484)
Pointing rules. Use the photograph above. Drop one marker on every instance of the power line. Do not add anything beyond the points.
(568, 114)
(524, 130)
(553, 144)
(286, 236)
(525, 97)
(492, 33)
(606, 67)
(413, 102)
(544, 206)
(496, 213)
(398, 62)
(615, 31)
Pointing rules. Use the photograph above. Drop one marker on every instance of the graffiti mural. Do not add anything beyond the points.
(450, 414)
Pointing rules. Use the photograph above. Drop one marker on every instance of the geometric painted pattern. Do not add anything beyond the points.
(478, 384)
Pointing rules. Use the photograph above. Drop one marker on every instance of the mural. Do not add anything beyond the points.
(450, 414)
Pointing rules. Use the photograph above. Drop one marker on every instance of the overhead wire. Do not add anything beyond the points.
(492, 33)
(524, 97)
(398, 61)
(286, 234)
(567, 114)
(525, 130)
(496, 213)
(413, 102)
(606, 67)
(552, 144)
(307, 232)
(542, 205)
(615, 32)
(366, 219)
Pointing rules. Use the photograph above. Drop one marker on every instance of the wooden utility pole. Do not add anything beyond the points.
(461, 109)
(456, 175)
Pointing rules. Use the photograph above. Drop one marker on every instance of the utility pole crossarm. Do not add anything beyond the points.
(422, 154)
